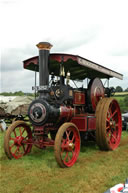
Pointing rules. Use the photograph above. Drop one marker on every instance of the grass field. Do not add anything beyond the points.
(119, 97)
(38, 172)
(122, 102)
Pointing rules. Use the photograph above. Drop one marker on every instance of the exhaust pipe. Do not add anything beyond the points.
(44, 50)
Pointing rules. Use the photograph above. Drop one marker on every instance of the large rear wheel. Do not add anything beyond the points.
(67, 145)
(17, 140)
(108, 124)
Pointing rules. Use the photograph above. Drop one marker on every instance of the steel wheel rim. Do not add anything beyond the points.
(113, 125)
(99, 113)
(18, 141)
(70, 146)
(108, 124)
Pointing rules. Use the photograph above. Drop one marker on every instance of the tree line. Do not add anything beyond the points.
(120, 89)
(17, 93)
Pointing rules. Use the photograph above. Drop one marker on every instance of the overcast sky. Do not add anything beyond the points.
(94, 29)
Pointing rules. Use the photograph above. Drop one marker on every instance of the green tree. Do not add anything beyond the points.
(19, 93)
(126, 90)
(119, 89)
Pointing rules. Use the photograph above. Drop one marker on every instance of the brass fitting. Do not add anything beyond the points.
(44, 46)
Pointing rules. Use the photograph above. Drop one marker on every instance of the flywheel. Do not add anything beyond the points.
(95, 93)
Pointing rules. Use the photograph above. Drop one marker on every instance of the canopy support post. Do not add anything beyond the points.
(35, 82)
(108, 82)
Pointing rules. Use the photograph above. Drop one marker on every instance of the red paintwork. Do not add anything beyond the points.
(91, 123)
(66, 112)
(79, 98)
(57, 57)
(80, 122)
(41, 139)
(85, 122)
(87, 64)
(33, 60)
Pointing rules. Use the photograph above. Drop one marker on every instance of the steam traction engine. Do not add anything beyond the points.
(63, 116)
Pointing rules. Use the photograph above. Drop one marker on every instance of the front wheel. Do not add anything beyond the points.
(67, 145)
(17, 140)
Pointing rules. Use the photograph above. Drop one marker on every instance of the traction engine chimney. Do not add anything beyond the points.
(44, 49)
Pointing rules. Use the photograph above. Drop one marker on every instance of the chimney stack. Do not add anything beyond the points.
(44, 50)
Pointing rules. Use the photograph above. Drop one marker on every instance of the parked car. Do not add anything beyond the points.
(125, 121)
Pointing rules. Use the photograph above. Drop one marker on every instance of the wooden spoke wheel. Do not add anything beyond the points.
(108, 124)
(67, 145)
(17, 138)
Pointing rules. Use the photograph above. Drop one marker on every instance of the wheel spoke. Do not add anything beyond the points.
(23, 131)
(11, 138)
(19, 152)
(112, 115)
(68, 134)
(109, 114)
(63, 144)
(69, 157)
(16, 150)
(72, 139)
(26, 138)
(66, 156)
(107, 119)
(113, 137)
(10, 147)
(20, 131)
(108, 127)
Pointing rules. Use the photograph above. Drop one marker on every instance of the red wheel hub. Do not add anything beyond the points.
(18, 140)
(68, 146)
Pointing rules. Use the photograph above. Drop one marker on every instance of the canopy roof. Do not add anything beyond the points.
(79, 68)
